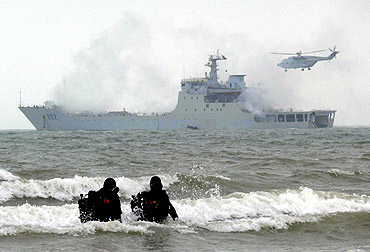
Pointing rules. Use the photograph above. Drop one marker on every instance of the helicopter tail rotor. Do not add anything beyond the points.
(334, 51)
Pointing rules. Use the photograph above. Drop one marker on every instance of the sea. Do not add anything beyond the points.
(250, 190)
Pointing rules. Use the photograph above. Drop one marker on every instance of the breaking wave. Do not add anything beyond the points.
(67, 189)
(57, 220)
(338, 172)
(240, 212)
(5, 175)
(236, 212)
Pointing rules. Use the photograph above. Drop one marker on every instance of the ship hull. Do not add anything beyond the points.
(203, 103)
(54, 119)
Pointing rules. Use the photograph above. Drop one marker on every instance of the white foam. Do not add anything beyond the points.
(254, 211)
(223, 177)
(361, 249)
(237, 212)
(55, 219)
(338, 172)
(67, 188)
(5, 175)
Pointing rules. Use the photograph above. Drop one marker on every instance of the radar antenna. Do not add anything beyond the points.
(212, 63)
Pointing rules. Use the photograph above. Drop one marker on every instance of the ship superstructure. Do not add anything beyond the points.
(203, 103)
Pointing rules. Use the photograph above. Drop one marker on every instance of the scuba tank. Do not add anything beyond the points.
(87, 204)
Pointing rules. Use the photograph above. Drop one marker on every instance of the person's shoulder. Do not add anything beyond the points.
(143, 194)
(164, 194)
(115, 190)
(101, 191)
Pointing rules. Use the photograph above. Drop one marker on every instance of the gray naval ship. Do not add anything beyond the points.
(203, 103)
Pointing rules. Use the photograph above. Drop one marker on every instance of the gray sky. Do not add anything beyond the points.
(110, 55)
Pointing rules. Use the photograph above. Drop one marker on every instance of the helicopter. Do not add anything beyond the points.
(303, 62)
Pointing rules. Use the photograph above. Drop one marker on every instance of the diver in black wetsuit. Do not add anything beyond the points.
(153, 205)
(109, 207)
(103, 205)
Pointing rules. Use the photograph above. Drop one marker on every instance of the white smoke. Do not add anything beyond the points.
(116, 71)
(138, 64)
(254, 100)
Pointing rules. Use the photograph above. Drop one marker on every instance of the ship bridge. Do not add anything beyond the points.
(211, 88)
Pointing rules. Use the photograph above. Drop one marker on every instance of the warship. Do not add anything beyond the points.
(204, 103)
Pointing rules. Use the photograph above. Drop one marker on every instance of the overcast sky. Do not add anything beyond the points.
(110, 55)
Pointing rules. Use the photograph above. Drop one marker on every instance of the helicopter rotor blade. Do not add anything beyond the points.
(299, 53)
(313, 51)
(284, 53)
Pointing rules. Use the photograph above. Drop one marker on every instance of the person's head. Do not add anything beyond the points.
(155, 184)
(109, 183)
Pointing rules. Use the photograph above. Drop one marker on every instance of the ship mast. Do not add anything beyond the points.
(212, 63)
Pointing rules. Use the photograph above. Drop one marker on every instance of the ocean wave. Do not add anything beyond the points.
(56, 220)
(199, 186)
(360, 249)
(5, 175)
(237, 212)
(67, 189)
(241, 212)
(338, 172)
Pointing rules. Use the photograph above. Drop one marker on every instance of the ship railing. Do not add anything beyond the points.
(287, 110)
(323, 111)
(31, 106)
(202, 80)
(151, 114)
(194, 80)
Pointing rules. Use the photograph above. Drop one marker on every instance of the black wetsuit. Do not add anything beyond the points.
(153, 206)
(109, 207)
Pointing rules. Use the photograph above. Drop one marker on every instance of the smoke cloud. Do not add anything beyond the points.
(254, 100)
(117, 71)
(138, 66)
